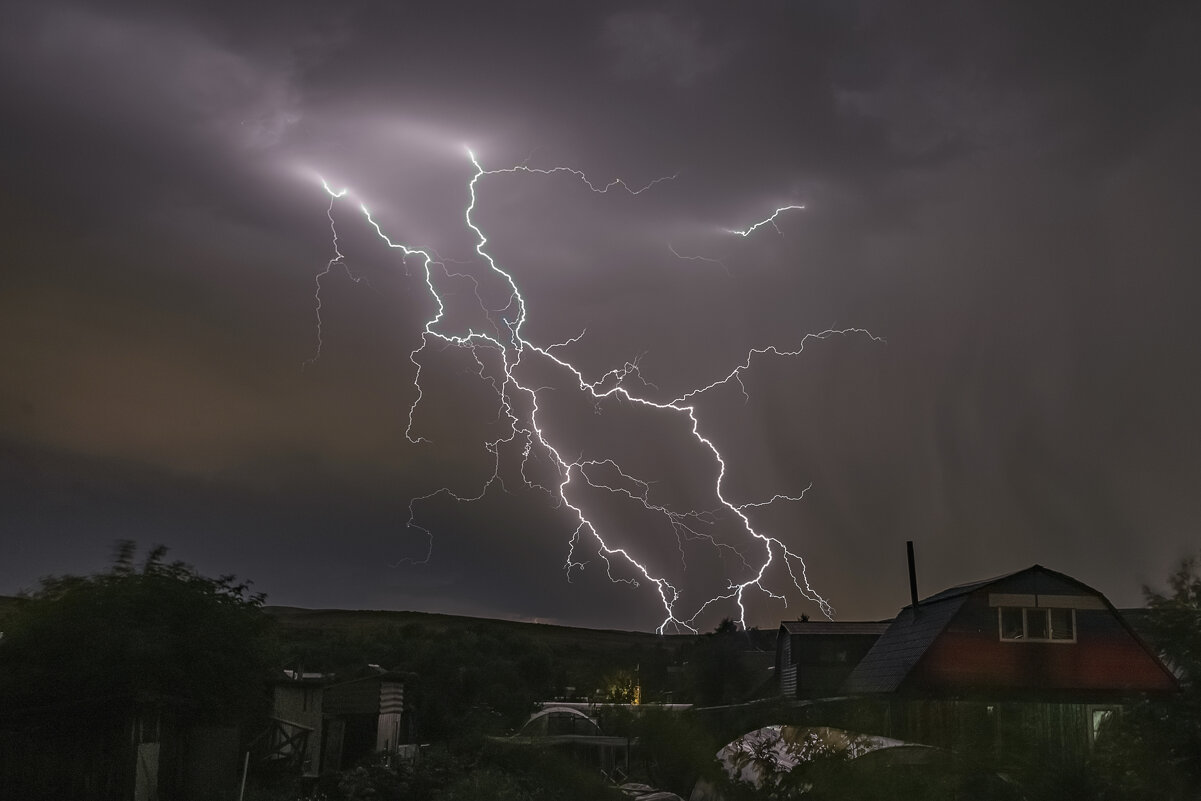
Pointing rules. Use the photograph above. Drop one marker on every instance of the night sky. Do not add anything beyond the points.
(1005, 194)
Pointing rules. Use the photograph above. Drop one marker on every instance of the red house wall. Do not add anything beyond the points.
(969, 655)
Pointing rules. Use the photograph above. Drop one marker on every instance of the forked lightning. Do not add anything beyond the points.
(499, 351)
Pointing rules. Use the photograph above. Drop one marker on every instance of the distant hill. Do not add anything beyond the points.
(581, 660)
(303, 623)
(347, 620)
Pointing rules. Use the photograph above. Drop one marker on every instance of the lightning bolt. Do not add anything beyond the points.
(769, 221)
(683, 257)
(335, 261)
(501, 350)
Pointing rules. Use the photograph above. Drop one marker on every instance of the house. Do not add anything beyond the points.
(1032, 657)
(814, 658)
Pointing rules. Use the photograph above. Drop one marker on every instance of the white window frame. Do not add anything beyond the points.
(1026, 625)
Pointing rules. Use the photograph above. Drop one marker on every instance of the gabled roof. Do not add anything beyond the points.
(894, 655)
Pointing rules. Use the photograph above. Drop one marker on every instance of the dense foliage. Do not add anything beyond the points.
(157, 634)
(488, 771)
(488, 675)
(1153, 751)
(716, 672)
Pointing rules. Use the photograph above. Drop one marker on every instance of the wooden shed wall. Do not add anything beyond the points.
(1053, 730)
(359, 697)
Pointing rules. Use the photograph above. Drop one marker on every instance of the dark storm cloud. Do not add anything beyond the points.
(1006, 192)
(653, 44)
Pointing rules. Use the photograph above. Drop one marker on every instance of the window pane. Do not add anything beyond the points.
(1100, 718)
(1037, 625)
(1011, 623)
(1062, 627)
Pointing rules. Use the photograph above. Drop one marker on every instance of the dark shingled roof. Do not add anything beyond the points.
(889, 661)
(954, 592)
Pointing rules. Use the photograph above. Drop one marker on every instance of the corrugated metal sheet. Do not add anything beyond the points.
(391, 698)
(785, 665)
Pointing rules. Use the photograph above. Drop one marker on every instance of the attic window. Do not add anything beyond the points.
(1037, 625)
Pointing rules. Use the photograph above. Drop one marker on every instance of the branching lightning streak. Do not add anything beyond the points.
(769, 221)
(779, 496)
(576, 173)
(499, 354)
(682, 257)
(336, 260)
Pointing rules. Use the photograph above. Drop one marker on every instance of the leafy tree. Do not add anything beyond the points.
(676, 750)
(716, 672)
(620, 687)
(155, 635)
(1153, 751)
(1176, 622)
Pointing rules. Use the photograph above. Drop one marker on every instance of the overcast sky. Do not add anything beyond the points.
(1005, 195)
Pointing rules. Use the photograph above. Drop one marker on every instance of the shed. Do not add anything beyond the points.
(362, 716)
(814, 658)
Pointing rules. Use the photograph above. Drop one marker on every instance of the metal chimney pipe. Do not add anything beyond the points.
(912, 576)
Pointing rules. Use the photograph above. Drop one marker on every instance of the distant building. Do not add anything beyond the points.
(814, 658)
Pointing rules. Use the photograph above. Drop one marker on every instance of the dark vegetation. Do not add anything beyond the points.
(493, 671)
(154, 633)
(141, 650)
(152, 639)
(1153, 751)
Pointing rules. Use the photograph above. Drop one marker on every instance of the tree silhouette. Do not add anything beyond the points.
(157, 634)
